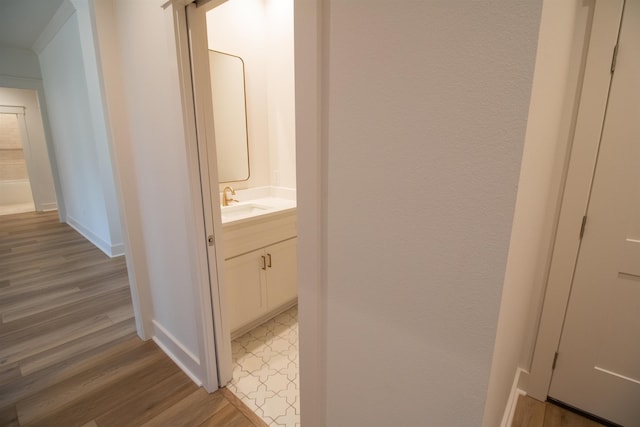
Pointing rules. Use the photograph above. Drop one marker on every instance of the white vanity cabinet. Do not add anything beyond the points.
(281, 273)
(260, 261)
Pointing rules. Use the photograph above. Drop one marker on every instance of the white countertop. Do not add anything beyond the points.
(247, 210)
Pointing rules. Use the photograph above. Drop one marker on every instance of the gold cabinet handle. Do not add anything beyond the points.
(269, 260)
(264, 262)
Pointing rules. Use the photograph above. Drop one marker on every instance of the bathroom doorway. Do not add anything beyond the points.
(247, 170)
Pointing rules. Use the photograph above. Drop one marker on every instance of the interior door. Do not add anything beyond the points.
(598, 364)
(201, 79)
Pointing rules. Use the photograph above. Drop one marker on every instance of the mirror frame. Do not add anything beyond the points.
(231, 177)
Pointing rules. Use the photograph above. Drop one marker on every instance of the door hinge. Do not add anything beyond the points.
(211, 240)
(555, 360)
(584, 223)
(614, 58)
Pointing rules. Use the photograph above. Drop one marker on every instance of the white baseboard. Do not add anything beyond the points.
(259, 321)
(182, 357)
(515, 393)
(110, 250)
(46, 207)
(117, 250)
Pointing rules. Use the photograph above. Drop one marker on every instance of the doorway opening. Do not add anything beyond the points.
(26, 178)
(15, 187)
(243, 82)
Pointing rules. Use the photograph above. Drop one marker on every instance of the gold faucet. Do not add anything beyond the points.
(227, 199)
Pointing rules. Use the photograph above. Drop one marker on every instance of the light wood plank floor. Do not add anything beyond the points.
(533, 413)
(69, 354)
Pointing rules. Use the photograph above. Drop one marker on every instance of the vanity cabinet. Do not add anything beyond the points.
(245, 291)
(281, 273)
(261, 282)
(261, 272)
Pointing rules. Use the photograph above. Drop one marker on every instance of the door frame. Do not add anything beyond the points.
(191, 33)
(19, 112)
(310, 30)
(215, 349)
(584, 149)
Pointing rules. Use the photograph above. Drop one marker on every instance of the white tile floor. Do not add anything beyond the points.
(265, 370)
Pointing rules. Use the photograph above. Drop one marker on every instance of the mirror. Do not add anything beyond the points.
(229, 116)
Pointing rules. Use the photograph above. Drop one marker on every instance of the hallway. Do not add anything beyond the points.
(69, 353)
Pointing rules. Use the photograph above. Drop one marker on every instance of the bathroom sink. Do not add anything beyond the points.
(242, 210)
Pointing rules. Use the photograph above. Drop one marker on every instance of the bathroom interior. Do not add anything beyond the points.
(252, 81)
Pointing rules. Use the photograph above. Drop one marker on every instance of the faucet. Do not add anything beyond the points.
(227, 199)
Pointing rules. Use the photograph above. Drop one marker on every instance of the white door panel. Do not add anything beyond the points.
(598, 367)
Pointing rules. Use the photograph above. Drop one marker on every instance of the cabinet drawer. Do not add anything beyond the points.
(258, 233)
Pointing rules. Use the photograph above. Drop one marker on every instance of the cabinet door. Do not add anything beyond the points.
(245, 281)
(282, 285)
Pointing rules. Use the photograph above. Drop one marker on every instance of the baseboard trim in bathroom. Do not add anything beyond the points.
(242, 408)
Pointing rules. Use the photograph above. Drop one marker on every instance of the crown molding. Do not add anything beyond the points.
(64, 12)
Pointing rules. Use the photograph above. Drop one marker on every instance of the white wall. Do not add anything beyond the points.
(238, 27)
(20, 69)
(88, 200)
(261, 32)
(146, 120)
(40, 175)
(554, 102)
(280, 92)
(19, 63)
(425, 113)
(97, 112)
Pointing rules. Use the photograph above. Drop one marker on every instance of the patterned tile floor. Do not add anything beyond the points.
(265, 370)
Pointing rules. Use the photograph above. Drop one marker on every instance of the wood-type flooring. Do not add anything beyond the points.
(533, 413)
(69, 353)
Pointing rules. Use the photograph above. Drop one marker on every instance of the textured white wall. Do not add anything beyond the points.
(74, 140)
(93, 78)
(145, 107)
(40, 172)
(426, 112)
(280, 92)
(238, 27)
(261, 32)
(556, 84)
(19, 63)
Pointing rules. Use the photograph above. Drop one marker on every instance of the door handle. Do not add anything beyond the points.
(269, 260)
(264, 262)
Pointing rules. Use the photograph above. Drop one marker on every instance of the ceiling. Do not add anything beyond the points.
(22, 21)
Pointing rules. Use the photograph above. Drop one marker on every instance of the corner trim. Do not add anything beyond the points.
(117, 250)
(64, 12)
(512, 402)
(213, 334)
(577, 187)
